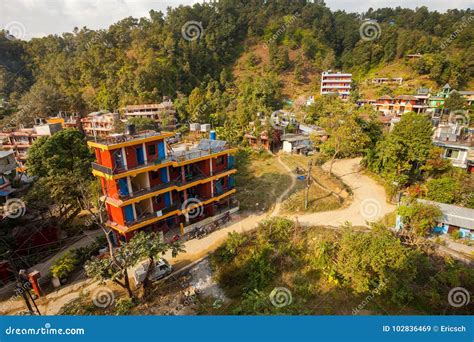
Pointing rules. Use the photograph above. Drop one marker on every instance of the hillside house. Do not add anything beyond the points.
(336, 83)
(164, 114)
(454, 219)
(457, 144)
(20, 141)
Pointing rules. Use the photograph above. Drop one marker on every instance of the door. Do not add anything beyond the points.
(140, 156)
(129, 217)
(164, 175)
(219, 187)
(231, 162)
(161, 151)
(167, 199)
(123, 187)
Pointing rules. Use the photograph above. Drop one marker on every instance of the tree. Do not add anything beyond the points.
(41, 101)
(151, 246)
(64, 152)
(455, 101)
(405, 150)
(419, 218)
(444, 190)
(143, 124)
(376, 262)
(114, 268)
(346, 137)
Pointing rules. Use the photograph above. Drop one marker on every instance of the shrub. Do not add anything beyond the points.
(234, 240)
(442, 190)
(123, 306)
(419, 218)
(63, 266)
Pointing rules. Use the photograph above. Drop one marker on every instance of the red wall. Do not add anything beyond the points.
(115, 214)
(205, 167)
(175, 173)
(157, 180)
(131, 155)
(217, 168)
(105, 158)
(110, 188)
(158, 205)
(152, 157)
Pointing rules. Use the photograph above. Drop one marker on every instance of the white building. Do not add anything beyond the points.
(336, 83)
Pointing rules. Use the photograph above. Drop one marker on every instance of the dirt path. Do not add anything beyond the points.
(368, 204)
(282, 197)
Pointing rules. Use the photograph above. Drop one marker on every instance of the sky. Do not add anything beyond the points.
(36, 18)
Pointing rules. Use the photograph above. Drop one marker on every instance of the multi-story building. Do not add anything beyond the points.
(163, 113)
(457, 144)
(22, 139)
(401, 104)
(149, 185)
(66, 119)
(336, 83)
(99, 124)
(386, 80)
(468, 96)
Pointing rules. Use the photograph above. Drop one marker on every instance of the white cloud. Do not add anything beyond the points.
(41, 17)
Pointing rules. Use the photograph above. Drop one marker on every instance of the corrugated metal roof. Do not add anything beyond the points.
(3, 154)
(454, 215)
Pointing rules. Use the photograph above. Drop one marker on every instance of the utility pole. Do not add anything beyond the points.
(308, 184)
(20, 284)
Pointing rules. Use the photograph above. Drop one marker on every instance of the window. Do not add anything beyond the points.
(155, 175)
(151, 149)
(157, 199)
(220, 160)
(452, 154)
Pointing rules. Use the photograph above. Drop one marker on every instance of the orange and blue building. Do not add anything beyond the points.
(146, 184)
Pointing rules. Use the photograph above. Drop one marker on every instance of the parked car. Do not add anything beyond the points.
(162, 269)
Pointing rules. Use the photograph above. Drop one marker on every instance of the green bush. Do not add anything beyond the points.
(230, 249)
(123, 306)
(63, 266)
(443, 190)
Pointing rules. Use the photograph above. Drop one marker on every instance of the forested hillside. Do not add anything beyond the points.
(142, 60)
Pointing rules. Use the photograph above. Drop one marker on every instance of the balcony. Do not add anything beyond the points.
(174, 183)
(175, 159)
(156, 216)
(112, 172)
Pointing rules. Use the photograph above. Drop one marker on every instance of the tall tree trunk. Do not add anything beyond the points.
(146, 282)
(331, 163)
(127, 283)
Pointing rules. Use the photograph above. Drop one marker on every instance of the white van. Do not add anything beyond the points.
(162, 269)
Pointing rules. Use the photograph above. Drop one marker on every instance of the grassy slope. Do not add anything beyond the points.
(320, 198)
(293, 89)
(260, 180)
(290, 87)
